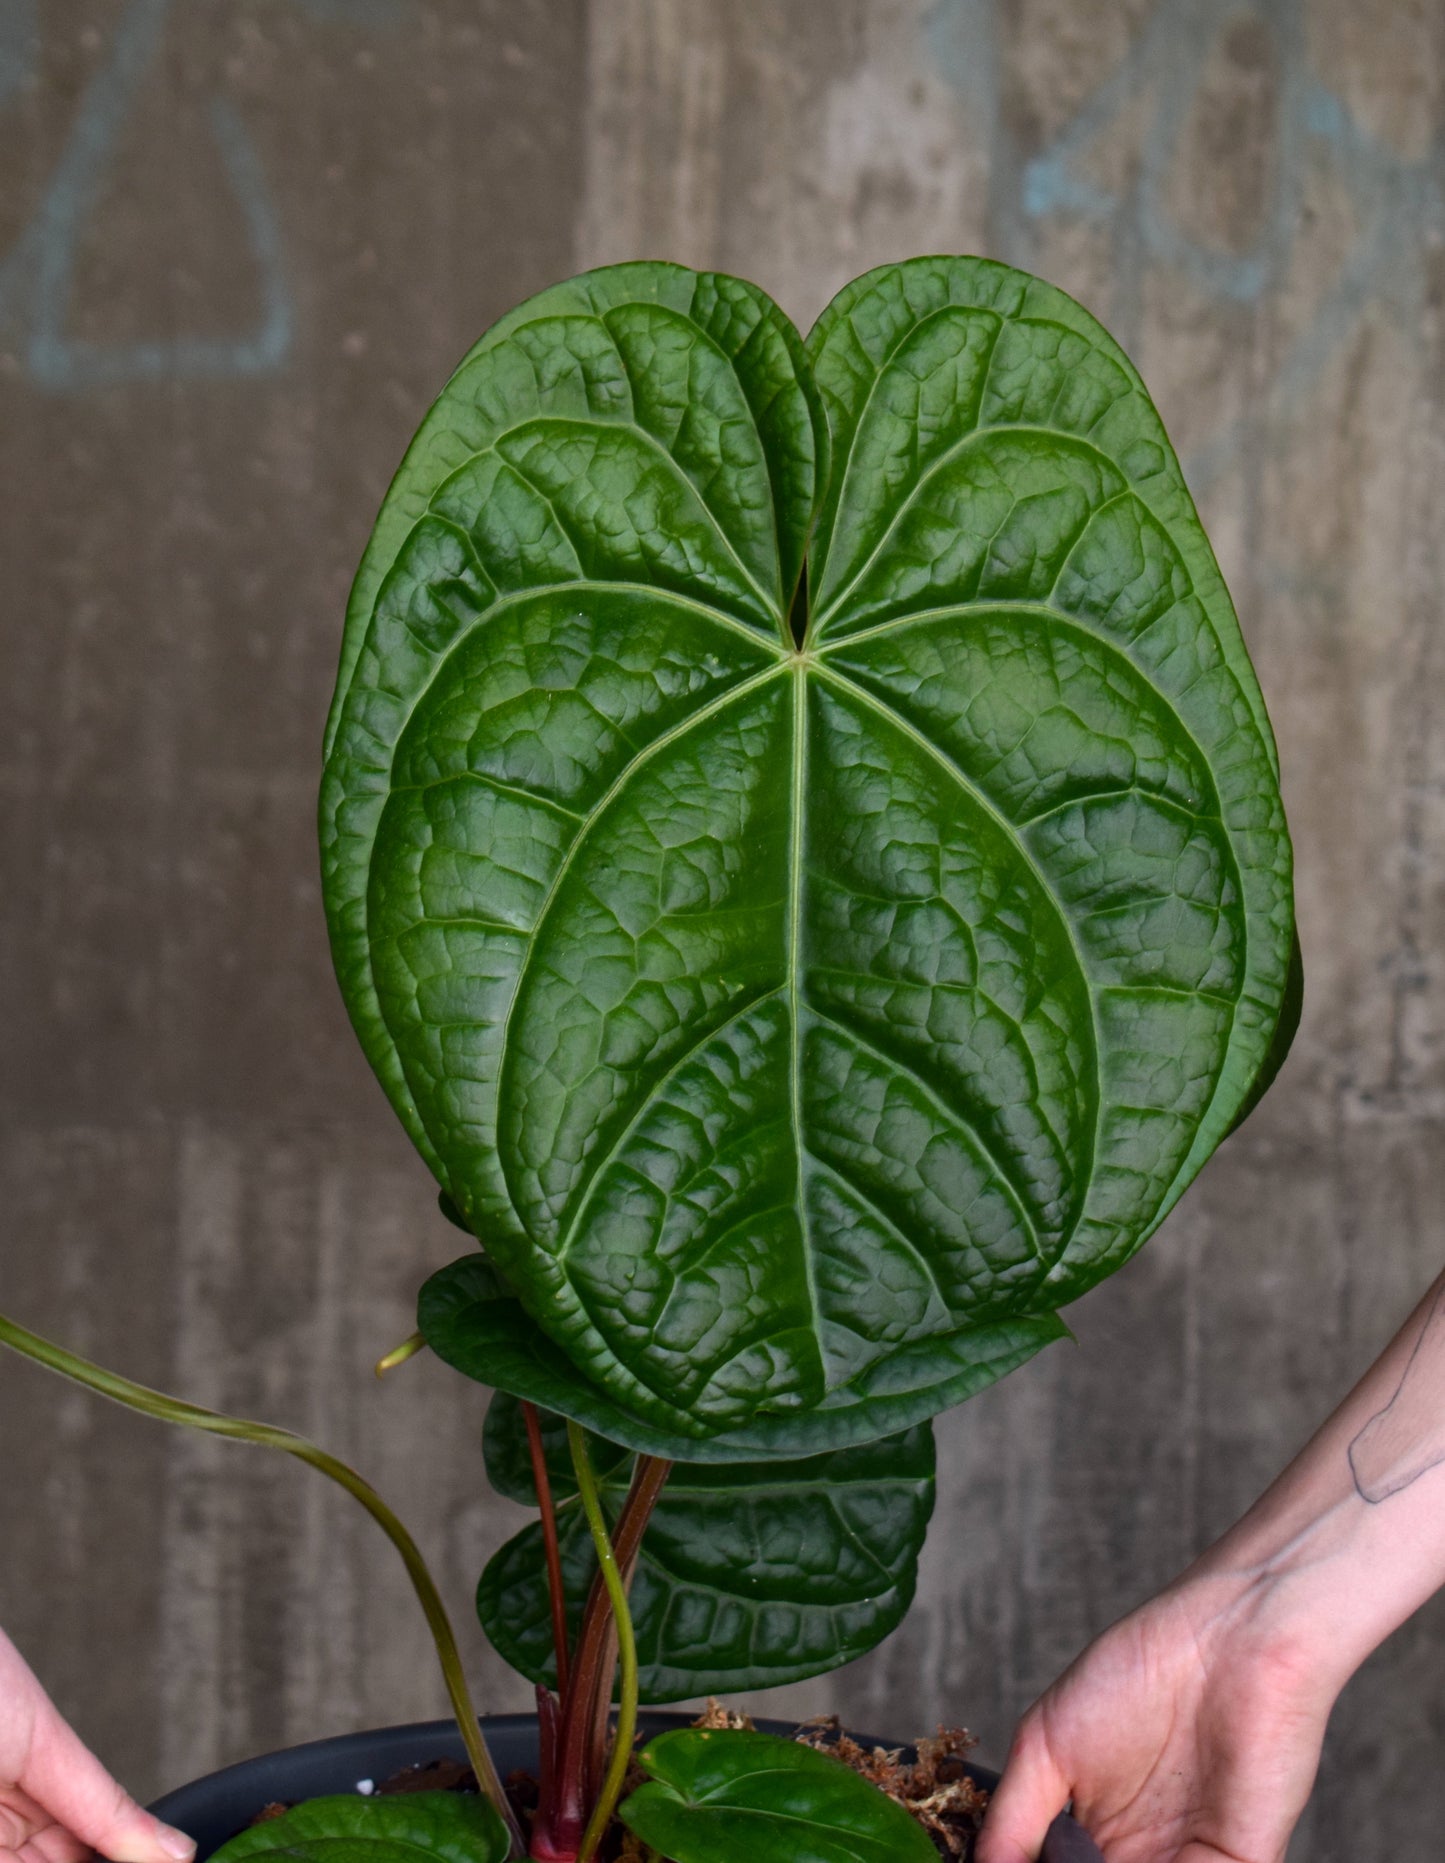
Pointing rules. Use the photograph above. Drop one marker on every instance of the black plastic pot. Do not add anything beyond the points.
(213, 1809)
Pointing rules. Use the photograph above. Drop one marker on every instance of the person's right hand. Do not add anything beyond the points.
(1188, 1733)
(1191, 1731)
(57, 1802)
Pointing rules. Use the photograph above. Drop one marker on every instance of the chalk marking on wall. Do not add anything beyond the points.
(37, 275)
(19, 31)
(1399, 205)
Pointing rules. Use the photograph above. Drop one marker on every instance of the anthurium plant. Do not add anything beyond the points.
(804, 857)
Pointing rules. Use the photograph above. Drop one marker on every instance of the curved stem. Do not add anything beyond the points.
(648, 1481)
(557, 1597)
(649, 1477)
(191, 1416)
(398, 1355)
(627, 1644)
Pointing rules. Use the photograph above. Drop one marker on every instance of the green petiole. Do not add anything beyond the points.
(398, 1355)
(626, 1645)
(191, 1416)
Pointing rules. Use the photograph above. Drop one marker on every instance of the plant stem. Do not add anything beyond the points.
(627, 1644)
(648, 1480)
(543, 1484)
(171, 1410)
(598, 1636)
(398, 1355)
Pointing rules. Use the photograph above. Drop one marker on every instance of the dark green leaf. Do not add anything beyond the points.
(750, 1575)
(1291, 1010)
(719, 1797)
(474, 1323)
(780, 1018)
(451, 1212)
(412, 1827)
(509, 1458)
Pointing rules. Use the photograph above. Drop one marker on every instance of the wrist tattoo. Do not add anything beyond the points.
(1406, 1439)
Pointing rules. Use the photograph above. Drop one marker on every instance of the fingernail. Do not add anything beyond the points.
(176, 1844)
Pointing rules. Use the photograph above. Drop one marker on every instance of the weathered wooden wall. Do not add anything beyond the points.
(241, 246)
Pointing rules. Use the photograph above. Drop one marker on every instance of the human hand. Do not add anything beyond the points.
(1188, 1733)
(57, 1802)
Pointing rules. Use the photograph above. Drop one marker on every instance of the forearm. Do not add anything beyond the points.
(1192, 1728)
(1351, 1539)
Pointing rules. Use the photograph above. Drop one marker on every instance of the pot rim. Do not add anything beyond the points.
(213, 1802)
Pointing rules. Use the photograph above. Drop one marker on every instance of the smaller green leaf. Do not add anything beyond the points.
(750, 1575)
(412, 1827)
(715, 1797)
(474, 1322)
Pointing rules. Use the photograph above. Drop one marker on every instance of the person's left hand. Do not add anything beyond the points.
(57, 1802)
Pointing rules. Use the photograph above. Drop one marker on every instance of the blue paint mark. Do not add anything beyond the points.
(62, 363)
(1325, 116)
(19, 45)
(1047, 189)
(1170, 57)
(1398, 205)
(37, 275)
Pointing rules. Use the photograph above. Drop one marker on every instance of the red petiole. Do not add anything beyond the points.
(543, 1483)
(576, 1725)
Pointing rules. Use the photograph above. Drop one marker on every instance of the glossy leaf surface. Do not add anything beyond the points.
(750, 1575)
(473, 1321)
(412, 1827)
(718, 1797)
(773, 1013)
(508, 1456)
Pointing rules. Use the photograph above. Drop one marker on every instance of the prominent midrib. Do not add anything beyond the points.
(796, 868)
(1084, 1168)
(1045, 614)
(801, 669)
(800, 672)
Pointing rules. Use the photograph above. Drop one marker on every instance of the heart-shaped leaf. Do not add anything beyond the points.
(411, 1827)
(750, 1574)
(714, 1797)
(776, 1008)
(476, 1324)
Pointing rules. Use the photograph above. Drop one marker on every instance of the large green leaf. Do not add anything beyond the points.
(1285, 1030)
(750, 1574)
(775, 1011)
(413, 1827)
(717, 1797)
(473, 1321)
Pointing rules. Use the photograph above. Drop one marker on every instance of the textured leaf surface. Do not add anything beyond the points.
(775, 1015)
(508, 1455)
(1285, 1030)
(407, 1828)
(750, 1574)
(473, 1322)
(718, 1797)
